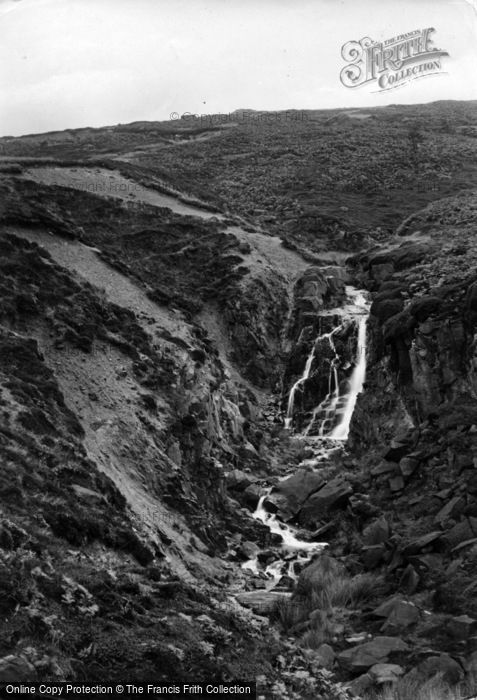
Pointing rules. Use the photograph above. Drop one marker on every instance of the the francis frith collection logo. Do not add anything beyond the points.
(391, 63)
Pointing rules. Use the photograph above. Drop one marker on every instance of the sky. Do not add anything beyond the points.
(75, 63)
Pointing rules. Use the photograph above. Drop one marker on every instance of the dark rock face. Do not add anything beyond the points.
(333, 495)
(255, 315)
(290, 494)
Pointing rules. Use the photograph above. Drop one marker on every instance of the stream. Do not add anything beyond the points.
(330, 422)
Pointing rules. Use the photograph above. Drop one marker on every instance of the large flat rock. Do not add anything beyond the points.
(288, 495)
(377, 651)
(261, 602)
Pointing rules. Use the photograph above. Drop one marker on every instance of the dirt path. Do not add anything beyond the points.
(110, 183)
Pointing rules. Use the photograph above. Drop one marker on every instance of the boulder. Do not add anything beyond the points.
(408, 466)
(461, 532)
(238, 480)
(385, 467)
(419, 543)
(398, 613)
(247, 550)
(325, 656)
(409, 580)
(373, 556)
(360, 686)
(396, 483)
(333, 495)
(288, 495)
(452, 508)
(442, 665)
(262, 602)
(377, 651)
(251, 495)
(385, 673)
(376, 532)
(462, 627)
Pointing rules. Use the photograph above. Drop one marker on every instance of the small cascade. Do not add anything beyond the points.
(297, 384)
(296, 550)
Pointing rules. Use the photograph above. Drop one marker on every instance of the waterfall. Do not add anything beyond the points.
(329, 403)
(337, 407)
(356, 384)
(297, 384)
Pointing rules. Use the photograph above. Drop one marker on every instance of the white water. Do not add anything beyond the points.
(330, 402)
(356, 382)
(299, 551)
(297, 384)
(336, 405)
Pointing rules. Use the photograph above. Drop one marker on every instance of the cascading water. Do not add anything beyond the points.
(341, 431)
(334, 414)
(298, 551)
(297, 384)
(329, 403)
(335, 411)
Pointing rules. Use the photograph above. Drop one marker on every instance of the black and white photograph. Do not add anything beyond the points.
(238, 349)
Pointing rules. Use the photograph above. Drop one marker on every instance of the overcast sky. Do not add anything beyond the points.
(73, 63)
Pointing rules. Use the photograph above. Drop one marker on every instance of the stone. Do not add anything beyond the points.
(288, 495)
(286, 583)
(462, 627)
(385, 673)
(16, 669)
(238, 480)
(385, 467)
(334, 494)
(261, 602)
(398, 613)
(442, 665)
(247, 550)
(452, 508)
(396, 483)
(325, 656)
(396, 451)
(420, 543)
(409, 580)
(408, 466)
(251, 495)
(376, 532)
(378, 650)
(360, 686)
(372, 556)
(461, 532)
